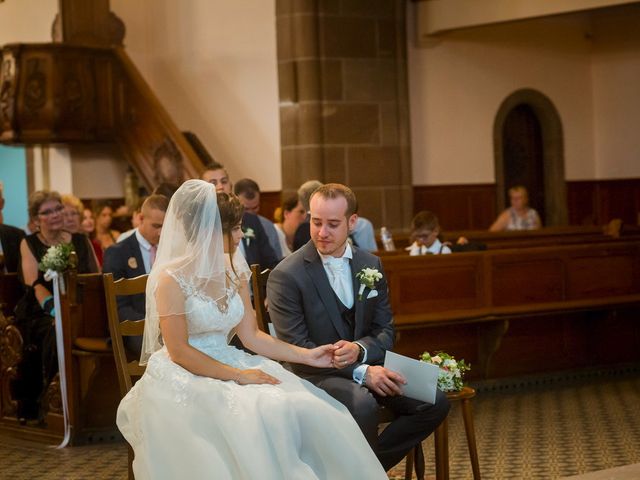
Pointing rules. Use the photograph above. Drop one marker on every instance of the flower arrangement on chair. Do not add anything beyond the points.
(451, 370)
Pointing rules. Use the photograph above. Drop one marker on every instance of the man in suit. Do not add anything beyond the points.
(315, 299)
(133, 257)
(10, 238)
(255, 245)
(248, 192)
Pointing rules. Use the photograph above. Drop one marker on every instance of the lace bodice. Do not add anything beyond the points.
(209, 322)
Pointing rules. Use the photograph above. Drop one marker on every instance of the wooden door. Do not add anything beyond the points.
(523, 155)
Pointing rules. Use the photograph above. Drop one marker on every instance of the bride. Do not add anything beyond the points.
(206, 410)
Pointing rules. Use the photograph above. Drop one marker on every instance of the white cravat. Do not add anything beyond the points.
(339, 274)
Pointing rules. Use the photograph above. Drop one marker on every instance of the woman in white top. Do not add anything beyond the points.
(288, 218)
(519, 216)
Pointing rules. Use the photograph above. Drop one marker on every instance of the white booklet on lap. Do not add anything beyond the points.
(422, 377)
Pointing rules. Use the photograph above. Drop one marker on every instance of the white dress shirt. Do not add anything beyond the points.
(436, 248)
(145, 250)
(340, 277)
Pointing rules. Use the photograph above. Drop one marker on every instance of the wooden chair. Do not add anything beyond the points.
(464, 396)
(127, 370)
(415, 458)
(259, 285)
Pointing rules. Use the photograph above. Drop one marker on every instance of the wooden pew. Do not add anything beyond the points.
(93, 394)
(534, 238)
(10, 341)
(473, 297)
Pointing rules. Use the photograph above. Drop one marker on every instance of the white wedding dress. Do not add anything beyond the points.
(184, 426)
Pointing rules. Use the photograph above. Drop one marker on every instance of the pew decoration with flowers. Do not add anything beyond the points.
(452, 371)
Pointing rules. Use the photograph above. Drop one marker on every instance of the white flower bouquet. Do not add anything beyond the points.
(451, 370)
(56, 258)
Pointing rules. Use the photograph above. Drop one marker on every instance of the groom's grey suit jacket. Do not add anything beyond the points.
(304, 310)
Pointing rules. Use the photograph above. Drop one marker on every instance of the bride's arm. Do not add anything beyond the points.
(175, 336)
(264, 344)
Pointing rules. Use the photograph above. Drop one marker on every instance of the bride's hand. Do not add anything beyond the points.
(321, 357)
(255, 376)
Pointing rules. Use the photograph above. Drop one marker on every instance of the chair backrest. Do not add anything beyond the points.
(125, 328)
(259, 284)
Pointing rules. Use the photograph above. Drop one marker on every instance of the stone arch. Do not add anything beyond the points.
(555, 190)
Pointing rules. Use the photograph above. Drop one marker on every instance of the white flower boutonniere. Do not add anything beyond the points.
(249, 234)
(368, 278)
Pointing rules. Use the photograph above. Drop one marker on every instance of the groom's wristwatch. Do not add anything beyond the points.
(360, 353)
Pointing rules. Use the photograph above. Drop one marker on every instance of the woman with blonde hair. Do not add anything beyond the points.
(519, 216)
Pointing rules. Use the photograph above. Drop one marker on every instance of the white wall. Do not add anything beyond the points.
(23, 21)
(213, 64)
(458, 82)
(616, 99)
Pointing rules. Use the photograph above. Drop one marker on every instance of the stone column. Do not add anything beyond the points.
(344, 112)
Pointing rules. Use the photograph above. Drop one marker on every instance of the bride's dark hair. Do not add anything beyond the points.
(231, 211)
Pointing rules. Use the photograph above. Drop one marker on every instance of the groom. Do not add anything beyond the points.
(314, 299)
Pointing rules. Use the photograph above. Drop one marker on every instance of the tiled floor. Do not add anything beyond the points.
(556, 428)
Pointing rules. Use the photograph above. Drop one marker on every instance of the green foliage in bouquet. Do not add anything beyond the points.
(56, 258)
(451, 370)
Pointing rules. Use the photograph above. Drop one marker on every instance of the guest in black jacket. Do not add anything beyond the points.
(133, 257)
(10, 238)
(255, 244)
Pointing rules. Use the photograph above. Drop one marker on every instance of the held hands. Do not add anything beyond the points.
(255, 376)
(384, 382)
(320, 357)
(346, 353)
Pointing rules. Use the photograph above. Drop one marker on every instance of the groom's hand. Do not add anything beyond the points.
(384, 382)
(345, 354)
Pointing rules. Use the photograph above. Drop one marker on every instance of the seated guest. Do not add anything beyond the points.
(363, 235)
(291, 215)
(425, 229)
(519, 216)
(135, 220)
(248, 192)
(10, 238)
(133, 257)
(73, 209)
(255, 244)
(303, 232)
(88, 226)
(35, 310)
(103, 215)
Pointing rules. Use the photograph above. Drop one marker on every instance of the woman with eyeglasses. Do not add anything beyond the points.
(35, 310)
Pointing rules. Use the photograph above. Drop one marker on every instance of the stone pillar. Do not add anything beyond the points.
(344, 112)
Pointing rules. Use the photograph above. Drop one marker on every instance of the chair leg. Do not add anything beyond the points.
(418, 458)
(130, 462)
(442, 450)
(467, 416)
(408, 469)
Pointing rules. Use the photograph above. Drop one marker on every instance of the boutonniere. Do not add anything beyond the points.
(249, 234)
(368, 278)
